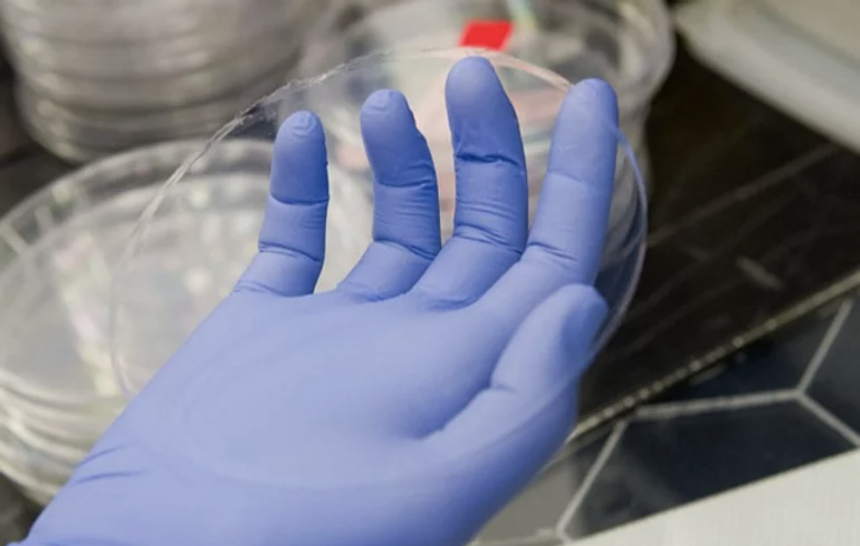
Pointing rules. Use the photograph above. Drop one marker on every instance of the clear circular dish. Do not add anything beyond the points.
(173, 273)
(104, 131)
(629, 43)
(104, 76)
(58, 387)
(80, 134)
(128, 22)
(136, 94)
(77, 137)
(106, 128)
(157, 59)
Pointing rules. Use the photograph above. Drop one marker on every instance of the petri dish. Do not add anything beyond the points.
(629, 43)
(198, 234)
(163, 91)
(83, 134)
(147, 71)
(127, 22)
(58, 386)
(120, 60)
(123, 128)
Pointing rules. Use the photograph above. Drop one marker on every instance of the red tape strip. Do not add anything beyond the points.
(486, 34)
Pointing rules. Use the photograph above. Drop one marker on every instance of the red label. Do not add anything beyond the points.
(486, 34)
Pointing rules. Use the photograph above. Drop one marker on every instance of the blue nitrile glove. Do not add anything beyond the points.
(403, 408)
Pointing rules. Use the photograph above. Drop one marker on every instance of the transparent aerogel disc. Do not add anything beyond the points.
(199, 232)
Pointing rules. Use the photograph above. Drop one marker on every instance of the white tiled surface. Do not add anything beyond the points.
(815, 505)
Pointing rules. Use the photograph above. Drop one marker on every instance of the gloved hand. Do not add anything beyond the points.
(403, 408)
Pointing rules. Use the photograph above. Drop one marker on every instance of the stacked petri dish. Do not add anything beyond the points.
(176, 230)
(99, 76)
(629, 43)
(58, 389)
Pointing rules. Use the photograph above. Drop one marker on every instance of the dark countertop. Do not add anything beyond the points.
(786, 402)
(753, 225)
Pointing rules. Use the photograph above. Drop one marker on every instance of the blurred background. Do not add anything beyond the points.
(734, 369)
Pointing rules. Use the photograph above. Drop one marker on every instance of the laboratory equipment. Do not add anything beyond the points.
(58, 390)
(629, 43)
(96, 77)
(196, 237)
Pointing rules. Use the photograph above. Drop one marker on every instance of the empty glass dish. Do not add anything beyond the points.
(58, 388)
(199, 233)
(629, 43)
(130, 61)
